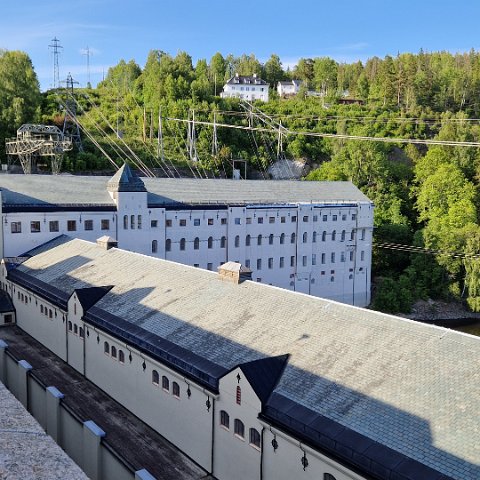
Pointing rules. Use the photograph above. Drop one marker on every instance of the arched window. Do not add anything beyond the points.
(328, 476)
(342, 237)
(239, 428)
(324, 236)
(125, 222)
(224, 419)
(292, 238)
(210, 242)
(314, 237)
(182, 244)
(165, 383)
(223, 242)
(106, 348)
(154, 246)
(81, 332)
(247, 240)
(132, 221)
(282, 239)
(176, 389)
(254, 438)
(196, 243)
(239, 396)
(270, 239)
(259, 240)
(305, 237)
(114, 352)
(121, 356)
(139, 222)
(75, 329)
(70, 324)
(168, 245)
(237, 241)
(155, 377)
(334, 235)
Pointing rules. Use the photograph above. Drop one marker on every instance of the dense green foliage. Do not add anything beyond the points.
(424, 195)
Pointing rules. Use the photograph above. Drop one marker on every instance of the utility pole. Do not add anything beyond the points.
(70, 123)
(55, 47)
(88, 53)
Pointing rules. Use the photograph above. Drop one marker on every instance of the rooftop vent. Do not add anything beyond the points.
(234, 272)
(107, 242)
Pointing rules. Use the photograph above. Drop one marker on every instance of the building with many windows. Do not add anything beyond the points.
(252, 381)
(246, 87)
(311, 237)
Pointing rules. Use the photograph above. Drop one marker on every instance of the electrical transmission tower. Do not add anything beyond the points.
(70, 124)
(87, 53)
(55, 47)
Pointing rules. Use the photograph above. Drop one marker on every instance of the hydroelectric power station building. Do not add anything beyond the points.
(310, 237)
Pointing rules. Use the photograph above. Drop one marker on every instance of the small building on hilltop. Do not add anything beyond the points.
(288, 88)
(246, 87)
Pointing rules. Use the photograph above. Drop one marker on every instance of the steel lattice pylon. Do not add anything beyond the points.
(34, 141)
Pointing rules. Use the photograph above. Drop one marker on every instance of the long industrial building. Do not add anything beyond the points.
(252, 381)
(310, 237)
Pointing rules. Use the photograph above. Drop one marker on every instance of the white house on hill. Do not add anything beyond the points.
(288, 89)
(244, 87)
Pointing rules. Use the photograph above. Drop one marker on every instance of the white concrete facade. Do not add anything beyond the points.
(287, 89)
(190, 415)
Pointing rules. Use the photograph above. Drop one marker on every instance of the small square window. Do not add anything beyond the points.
(238, 221)
(154, 224)
(209, 266)
(334, 218)
(260, 220)
(196, 222)
(344, 217)
(271, 219)
(182, 222)
(88, 225)
(324, 218)
(35, 227)
(305, 218)
(16, 227)
(168, 223)
(223, 221)
(282, 219)
(249, 220)
(53, 226)
(71, 225)
(105, 224)
(210, 221)
(294, 218)
(315, 218)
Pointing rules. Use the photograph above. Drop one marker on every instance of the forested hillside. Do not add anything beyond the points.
(425, 195)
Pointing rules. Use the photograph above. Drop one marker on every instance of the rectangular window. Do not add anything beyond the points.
(282, 262)
(16, 227)
(270, 263)
(351, 256)
(362, 255)
(323, 258)
(210, 221)
(53, 225)
(183, 222)
(238, 221)
(71, 225)
(314, 259)
(334, 218)
(223, 221)
(344, 217)
(259, 264)
(282, 219)
(315, 218)
(354, 216)
(209, 266)
(304, 260)
(35, 227)
(168, 223)
(363, 234)
(324, 218)
(260, 220)
(196, 222)
(154, 224)
(249, 220)
(342, 257)
(305, 218)
(247, 263)
(332, 257)
(88, 224)
(294, 218)
(271, 219)
(292, 261)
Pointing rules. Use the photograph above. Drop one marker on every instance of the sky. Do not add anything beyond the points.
(123, 29)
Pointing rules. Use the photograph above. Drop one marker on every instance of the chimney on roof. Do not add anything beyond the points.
(107, 242)
(234, 272)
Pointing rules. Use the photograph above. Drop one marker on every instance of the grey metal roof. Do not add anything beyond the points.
(246, 80)
(411, 387)
(125, 181)
(6, 304)
(46, 190)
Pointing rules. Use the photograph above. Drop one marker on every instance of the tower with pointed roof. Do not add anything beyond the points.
(130, 196)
